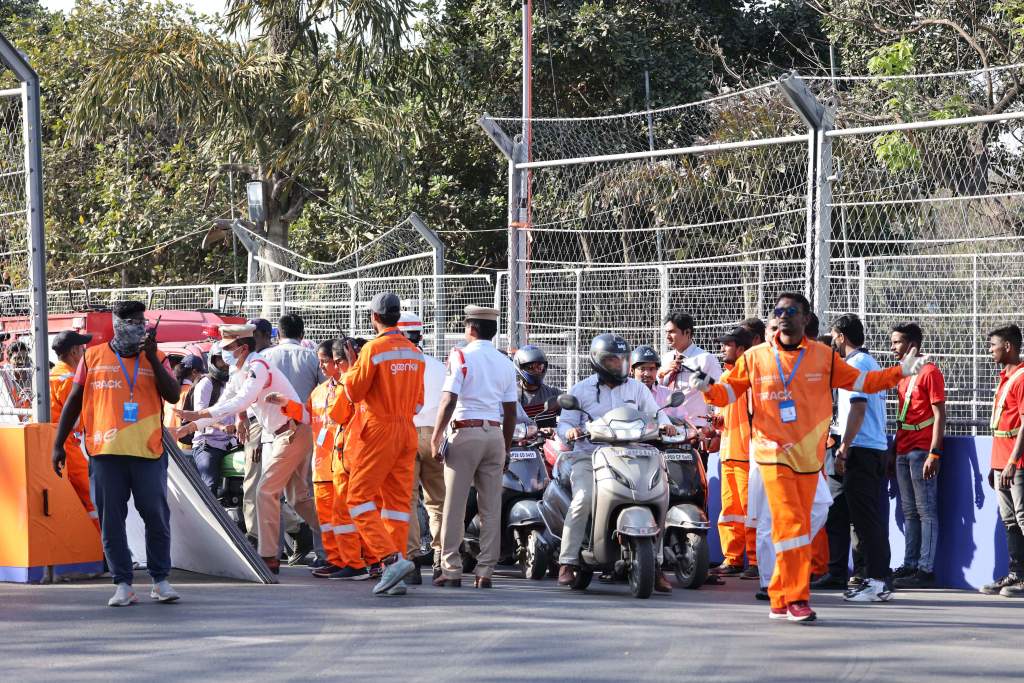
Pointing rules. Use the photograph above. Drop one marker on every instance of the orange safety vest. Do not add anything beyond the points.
(735, 444)
(324, 429)
(106, 390)
(798, 444)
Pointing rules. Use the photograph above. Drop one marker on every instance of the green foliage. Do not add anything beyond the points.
(895, 152)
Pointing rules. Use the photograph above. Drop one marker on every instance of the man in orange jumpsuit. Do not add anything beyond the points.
(734, 421)
(791, 384)
(324, 431)
(70, 349)
(386, 384)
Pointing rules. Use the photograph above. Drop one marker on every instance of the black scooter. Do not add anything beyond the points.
(686, 525)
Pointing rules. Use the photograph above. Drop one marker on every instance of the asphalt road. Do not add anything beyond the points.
(520, 630)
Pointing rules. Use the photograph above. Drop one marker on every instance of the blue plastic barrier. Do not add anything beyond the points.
(972, 539)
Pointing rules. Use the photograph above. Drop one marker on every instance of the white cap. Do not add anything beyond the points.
(410, 322)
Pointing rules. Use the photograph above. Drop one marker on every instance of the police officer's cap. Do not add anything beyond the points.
(481, 313)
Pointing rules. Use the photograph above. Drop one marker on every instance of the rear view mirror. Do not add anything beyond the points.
(551, 406)
(568, 402)
(677, 399)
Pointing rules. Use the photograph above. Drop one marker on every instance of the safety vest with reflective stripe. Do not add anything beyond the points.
(1000, 403)
(386, 381)
(799, 444)
(736, 429)
(324, 428)
(105, 432)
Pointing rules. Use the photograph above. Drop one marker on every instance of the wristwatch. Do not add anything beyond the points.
(934, 453)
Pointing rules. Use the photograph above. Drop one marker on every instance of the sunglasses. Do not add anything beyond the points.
(789, 311)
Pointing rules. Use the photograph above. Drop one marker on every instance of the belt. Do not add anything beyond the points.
(918, 427)
(1005, 435)
(470, 424)
(287, 427)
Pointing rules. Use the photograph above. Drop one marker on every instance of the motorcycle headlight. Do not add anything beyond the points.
(619, 477)
(519, 432)
(655, 478)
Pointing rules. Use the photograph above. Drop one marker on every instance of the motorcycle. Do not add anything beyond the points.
(232, 473)
(686, 525)
(630, 499)
(523, 485)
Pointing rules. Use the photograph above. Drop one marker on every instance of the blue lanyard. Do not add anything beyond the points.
(782, 375)
(135, 375)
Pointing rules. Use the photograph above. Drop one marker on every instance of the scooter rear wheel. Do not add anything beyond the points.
(692, 560)
(535, 558)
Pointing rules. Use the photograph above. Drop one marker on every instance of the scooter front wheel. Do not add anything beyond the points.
(641, 567)
(581, 579)
(535, 558)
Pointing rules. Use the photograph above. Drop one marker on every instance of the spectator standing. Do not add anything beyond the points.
(684, 356)
(1007, 475)
(920, 425)
(119, 391)
(210, 445)
(70, 350)
(862, 460)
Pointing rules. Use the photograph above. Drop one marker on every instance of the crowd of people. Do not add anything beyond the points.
(345, 438)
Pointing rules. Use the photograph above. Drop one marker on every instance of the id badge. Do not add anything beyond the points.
(130, 413)
(321, 436)
(787, 411)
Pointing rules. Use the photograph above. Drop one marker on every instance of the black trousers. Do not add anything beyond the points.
(862, 485)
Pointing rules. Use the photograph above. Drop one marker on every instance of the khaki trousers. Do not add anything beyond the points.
(430, 475)
(476, 457)
(284, 470)
(253, 470)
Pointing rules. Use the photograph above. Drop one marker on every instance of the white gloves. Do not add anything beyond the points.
(700, 381)
(912, 363)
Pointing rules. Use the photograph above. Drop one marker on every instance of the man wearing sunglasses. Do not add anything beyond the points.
(791, 384)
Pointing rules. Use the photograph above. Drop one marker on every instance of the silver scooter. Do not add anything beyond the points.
(630, 499)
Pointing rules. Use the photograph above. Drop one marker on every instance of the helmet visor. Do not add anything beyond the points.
(615, 364)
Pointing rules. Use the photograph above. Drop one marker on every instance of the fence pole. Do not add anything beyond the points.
(440, 310)
(823, 219)
(975, 336)
(760, 290)
(516, 247)
(663, 303)
(574, 360)
(352, 308)
(862, 288)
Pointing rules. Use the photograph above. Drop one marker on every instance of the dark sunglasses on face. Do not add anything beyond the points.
(789, 311)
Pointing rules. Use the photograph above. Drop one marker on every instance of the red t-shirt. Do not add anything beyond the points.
(929, 389)
(1009, 418)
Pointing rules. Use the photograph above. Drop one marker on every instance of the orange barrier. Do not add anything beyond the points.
(42, 521)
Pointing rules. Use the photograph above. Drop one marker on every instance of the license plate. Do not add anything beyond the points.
(678, 456)
(522, 455)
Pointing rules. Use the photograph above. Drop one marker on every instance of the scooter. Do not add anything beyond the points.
(232, 473)
(686, 525)
(523, 485)
(630, 500)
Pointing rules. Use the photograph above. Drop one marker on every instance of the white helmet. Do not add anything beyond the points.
(410, 322)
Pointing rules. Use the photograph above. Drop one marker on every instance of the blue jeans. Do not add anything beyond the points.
(208, 460)
(920, 510)
(114, 479)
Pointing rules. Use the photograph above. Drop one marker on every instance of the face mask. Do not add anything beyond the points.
(228, 357)
(128, 336)
(221, 375)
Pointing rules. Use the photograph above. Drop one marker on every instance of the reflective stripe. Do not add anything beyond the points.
(344, 529)
(861, 378)
(93, 514)
(919, 426)
(731, 518)
(327, 528)
(1006, 435)
(791, 543)
(397, 354)
(395, 515)
(360, 509)
(730, 393)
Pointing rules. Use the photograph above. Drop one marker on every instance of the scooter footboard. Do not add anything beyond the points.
(687, 516)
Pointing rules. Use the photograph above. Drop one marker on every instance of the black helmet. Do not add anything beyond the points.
(644, 354)
(526, 355)
(604, 348)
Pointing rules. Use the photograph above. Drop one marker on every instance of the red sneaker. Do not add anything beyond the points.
(801, 611)
(778, 613)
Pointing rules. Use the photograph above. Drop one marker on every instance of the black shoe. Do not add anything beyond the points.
(855, 582)
(996, 587)
(904, 572)
(920, 579)
(350, 574)
(751, 573)
(761, 594)
(376, 570)
(828, 582)
(414, 578)
(302, 544)
(437, 571)
(1014, 590)
(727, 570)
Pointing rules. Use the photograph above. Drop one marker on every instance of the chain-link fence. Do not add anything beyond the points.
(897, 198)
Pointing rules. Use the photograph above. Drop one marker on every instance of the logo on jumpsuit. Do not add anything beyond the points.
(408, 366)
(785, 395)
(106, 384)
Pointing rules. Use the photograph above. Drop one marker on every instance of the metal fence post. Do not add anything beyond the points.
(862, 288)
(440, 310)
(975, 337)
(823, 218)
(352, 307)
(517, 281)
(574, 361)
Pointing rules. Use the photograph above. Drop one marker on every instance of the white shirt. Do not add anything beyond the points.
(694, 407)
(433, 385)
(597, 399)
(214, 436)
(483, 378)
(248, 387)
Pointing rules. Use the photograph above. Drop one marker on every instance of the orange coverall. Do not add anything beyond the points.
(324, 432)
(62, 378)
(736, 537)
(386, 384)
(790, 454)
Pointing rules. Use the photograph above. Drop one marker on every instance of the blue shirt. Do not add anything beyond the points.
(298, 364)
(872, 430)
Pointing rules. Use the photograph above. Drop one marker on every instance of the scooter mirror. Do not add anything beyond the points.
(551, 406)
(568, 402)
(677, 399)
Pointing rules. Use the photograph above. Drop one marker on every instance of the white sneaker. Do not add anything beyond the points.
(123, 596)
(872, 590)
(393, 574)
(163, 592)
(396, 590)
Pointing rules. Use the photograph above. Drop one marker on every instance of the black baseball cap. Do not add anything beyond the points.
(262, 325)
(739, 336)
(65, 341)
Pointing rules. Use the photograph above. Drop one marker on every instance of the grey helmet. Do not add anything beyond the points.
(644, 354)
(604, 348)
(526, 355)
